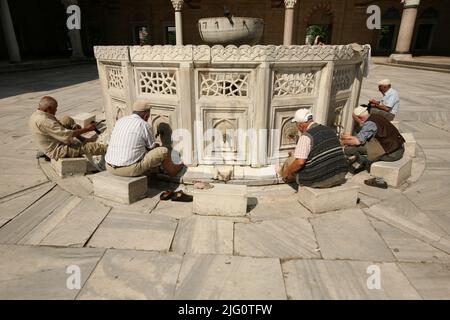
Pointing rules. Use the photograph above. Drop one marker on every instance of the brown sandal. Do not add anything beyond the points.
(166, 195)
(182, 197)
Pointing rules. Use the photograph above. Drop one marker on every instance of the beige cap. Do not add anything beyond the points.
(384, 82)
(302, 115)
(140, 106)
(360, 111)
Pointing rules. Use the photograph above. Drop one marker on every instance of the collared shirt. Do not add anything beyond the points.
(130, 140)
(303, 147)
(49, 134)
(368, 130)
(391, 100)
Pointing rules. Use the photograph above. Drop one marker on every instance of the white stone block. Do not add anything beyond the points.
(410, 144)
(328, 199)
(119, 189)
(222, 200)
(84, 118)
(394, 173)
(65, 167)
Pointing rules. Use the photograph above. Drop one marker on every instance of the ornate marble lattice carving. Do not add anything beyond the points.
(118, 109)
(157, 82)
(229, 84)
(343, 78)
(111, 53)
(115, 78)
(293, 83)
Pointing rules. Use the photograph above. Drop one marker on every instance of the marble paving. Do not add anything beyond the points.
(156, 249)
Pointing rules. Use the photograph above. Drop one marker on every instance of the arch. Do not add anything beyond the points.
(429, 13)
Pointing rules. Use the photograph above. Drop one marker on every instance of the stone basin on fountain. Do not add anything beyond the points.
(232, 30)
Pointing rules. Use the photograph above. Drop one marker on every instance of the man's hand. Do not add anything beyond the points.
(374, 102)
(90, 127)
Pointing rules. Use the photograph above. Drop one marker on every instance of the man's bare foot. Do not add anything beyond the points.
(175, 169)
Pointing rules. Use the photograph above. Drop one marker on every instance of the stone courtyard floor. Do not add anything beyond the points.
(160, 250)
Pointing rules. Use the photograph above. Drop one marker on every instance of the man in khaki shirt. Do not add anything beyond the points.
(57, 138)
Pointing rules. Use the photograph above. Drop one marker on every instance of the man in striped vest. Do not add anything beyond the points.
(318, 160)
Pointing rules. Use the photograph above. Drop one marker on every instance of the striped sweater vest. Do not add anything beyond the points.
(326, 158)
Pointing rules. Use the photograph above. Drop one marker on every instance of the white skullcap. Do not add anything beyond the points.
(360, 111)
(384, 82)
(140, 106)
(302, 115)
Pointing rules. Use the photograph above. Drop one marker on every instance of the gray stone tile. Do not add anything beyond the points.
(12, 205)
(130, 274)
(40, 272)
(275, 207)
(431, 191)
(176, 210)
(229, 277)
(440, 218)
(130, 230)
(431, 280)
(401, 213)
(198, 234)
(23, 224)
(346, 280)
(280, 238)
(406, 247)
(348, 234)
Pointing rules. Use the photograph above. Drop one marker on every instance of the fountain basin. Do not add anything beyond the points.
(236, 30)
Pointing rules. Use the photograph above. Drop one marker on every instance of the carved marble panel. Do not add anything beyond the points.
(343, 77)
(156, 82)
(294, 83)
(162, 120)
(225, 135)
(119, 109)
(224, 84)
(115, 77)
(336, 116)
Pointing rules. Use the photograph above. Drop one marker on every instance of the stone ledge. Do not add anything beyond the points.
(328, 199)
(66, 167)
(394, 173)
(125, 190)
(410, 144)
(222, 200)
(83, 119)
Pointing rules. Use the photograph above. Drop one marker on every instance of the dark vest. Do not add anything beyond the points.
(326, 158)
(387, 134)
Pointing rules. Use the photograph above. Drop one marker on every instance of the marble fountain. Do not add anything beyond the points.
(227, 109)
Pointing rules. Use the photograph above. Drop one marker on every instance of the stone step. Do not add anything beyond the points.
(410, 144)
(66, 167)
(221, 200)
(329, 199)
(84, 118)
(394, 173)
(125, 190)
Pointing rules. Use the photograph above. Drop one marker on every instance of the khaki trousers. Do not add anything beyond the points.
(78, 148)
(149, 164)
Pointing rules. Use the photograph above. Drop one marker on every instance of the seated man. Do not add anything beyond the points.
(388, 105)
(132, 150)
(377, 140)
(57, 138)
(318, 160)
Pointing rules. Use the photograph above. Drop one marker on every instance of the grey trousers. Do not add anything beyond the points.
(361, 153)
(387, 115)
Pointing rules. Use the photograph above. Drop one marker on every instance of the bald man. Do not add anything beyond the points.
(61, 138)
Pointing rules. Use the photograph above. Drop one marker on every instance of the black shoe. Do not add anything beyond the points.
(376, 182)
(40, 154)
(357, 170)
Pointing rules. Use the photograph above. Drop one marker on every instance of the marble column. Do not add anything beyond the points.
(288, 21)
(178, 5)
(9, 34)
(74, 35)
(406, 28)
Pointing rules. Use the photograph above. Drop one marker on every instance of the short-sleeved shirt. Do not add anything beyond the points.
(303, 147)
(49, 134)
(391, 100)
(130, 140)
(368, 130)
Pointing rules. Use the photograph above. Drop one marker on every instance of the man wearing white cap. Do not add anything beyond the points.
(388, 105)
(378, 139)
(132, 150)
(318, 160)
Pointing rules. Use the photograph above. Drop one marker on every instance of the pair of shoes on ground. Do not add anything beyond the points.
(176, 196)
(376, 182)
